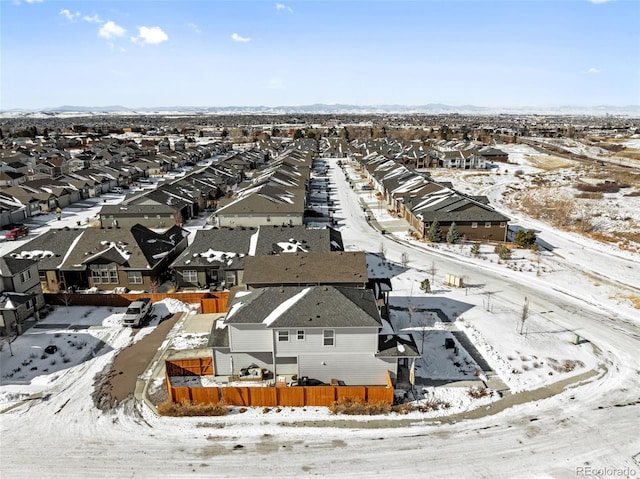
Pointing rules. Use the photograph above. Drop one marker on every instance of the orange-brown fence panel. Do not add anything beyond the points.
(190, 367)
(124, 299)
(205, 395)
(263, 396)
(181, 394)
(352, 392)
(236, 396)
(292, 397)
(379, 394)
(214, 305)
(319, 395)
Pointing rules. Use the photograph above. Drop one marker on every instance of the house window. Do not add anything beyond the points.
(487, 224)
(190, 275)
(300, 335)
(328, 337)
(43, 276)
(283, 336)
(25, 276)
(474, 225)
(230, 278)
(503, 225)
(135, 277)
(104, 273)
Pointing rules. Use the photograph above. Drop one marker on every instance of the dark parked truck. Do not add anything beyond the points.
(137, 312)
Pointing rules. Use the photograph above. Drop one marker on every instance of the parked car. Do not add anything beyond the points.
(137, 312)
(16, 233)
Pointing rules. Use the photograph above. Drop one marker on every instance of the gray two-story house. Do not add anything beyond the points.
(20, 293)
(326, 333)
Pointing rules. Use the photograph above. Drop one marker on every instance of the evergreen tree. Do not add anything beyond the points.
(298, 134)
(525, 239)
(435, 234)
(452, 235)
(475, 249)
(425, 285)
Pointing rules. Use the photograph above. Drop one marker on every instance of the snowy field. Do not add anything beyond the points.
(577, 286)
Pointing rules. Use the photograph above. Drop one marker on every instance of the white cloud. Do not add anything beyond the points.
(599, 1)
(34, 1)
(276, 84)
(237, 38)
(110, 30)
(92, 19)
(72, 17)
(283, 8)
(594, 70)
(151, 35)
(193, 27)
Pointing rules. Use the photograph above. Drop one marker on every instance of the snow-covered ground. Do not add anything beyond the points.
(591, 424)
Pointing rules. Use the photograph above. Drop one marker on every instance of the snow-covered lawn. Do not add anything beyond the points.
(74, 334)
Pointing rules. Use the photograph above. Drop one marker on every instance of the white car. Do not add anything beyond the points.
(137, 312)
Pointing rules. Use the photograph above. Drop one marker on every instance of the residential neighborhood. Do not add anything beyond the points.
(311, 272)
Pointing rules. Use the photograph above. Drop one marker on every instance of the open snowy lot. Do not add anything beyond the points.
(582, 414)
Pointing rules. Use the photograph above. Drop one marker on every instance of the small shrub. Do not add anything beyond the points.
(266, 410)
(66, 360)
(33, 355)
(565, 366)
(477, 392)
(432, 404)
(356, 407)
(169, 408)
(52, 362)
(404, 408)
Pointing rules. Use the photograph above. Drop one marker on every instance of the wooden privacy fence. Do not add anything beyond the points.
(217, 300)
(293, 396)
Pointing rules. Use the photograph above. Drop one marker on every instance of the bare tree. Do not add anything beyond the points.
(423, 329)
(404, 259)
(66, 295)
(524, 315)
(382, 250)
(432, 271)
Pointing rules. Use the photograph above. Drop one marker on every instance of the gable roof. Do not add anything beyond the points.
(10, 266)
(310, 307)
(277, 239)
(50, 248)
(304, 268)
(136, 248)
(217, 246)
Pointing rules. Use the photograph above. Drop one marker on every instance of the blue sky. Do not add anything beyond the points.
(223, 53)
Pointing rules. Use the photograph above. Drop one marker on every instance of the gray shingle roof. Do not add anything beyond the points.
(304, 268)
(230, 241)
(311, 307)
(10, 266)
(49, 248)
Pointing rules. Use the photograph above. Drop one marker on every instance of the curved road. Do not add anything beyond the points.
(590, 430)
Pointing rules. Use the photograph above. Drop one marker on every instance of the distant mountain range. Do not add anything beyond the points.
(431, 108)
